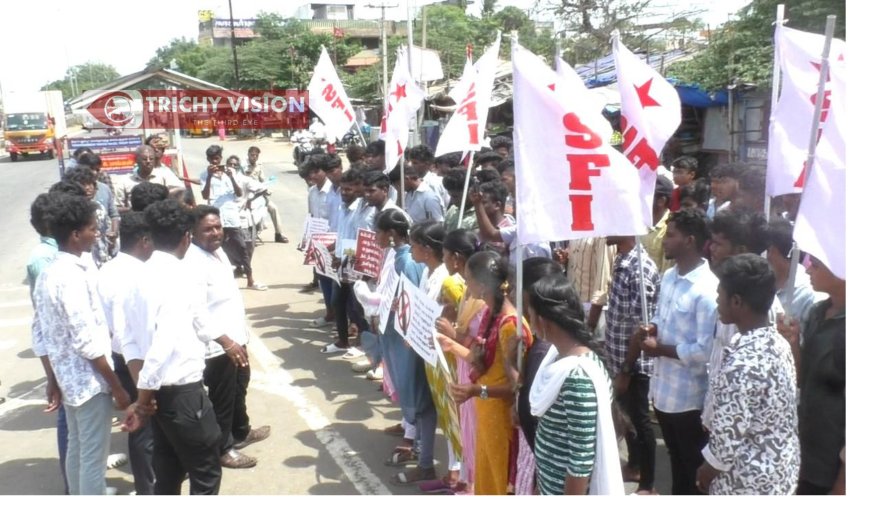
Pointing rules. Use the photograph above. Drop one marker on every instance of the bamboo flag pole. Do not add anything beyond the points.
(811, 151)
(519, 256)
(774, 99)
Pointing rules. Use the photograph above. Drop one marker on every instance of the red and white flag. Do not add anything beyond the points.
(404, 99)
(465, 130)
(820, 226)
(328, 99)
(800, 59)
(571, 183)
(651, 113)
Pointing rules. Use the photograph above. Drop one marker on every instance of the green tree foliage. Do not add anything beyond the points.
(742, 51)
(87, 76)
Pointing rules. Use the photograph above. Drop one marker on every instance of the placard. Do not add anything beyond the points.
(323, 261)
(311, 226)
(368, 253)
(327, 240)
(415, 319)
(387, 288)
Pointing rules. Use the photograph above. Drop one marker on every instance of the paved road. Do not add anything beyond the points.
(325, 419)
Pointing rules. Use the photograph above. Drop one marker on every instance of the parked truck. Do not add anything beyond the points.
(33, 122)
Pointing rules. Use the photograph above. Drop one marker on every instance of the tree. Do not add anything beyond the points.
(189, 56)
(82, 77)
(742, 51)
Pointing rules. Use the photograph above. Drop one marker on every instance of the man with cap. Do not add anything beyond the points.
(652, 241)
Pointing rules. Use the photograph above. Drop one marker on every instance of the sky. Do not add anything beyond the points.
(127, 34)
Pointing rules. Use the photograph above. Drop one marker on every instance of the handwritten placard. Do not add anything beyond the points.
(323, 261)
(415, 319)
(312, 225)
(327, 240)
(387, 287)
(368, 253)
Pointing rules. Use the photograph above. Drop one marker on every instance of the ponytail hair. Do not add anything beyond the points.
(461, 242)
(430, 234)
(555, 299)
(393, 219)
(490, 270)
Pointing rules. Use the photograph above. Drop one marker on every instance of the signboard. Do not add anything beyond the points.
(116, 152)
(415, 319)
(368, 254)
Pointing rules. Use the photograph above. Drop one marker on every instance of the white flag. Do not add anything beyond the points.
(465, 130)
(328, 100)
(457, 93)
(800, 57)
(820, 226)
(405, 97)
(651, 113)
(570, 182)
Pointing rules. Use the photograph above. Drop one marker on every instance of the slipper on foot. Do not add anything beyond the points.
(333, 348)
(353, 353)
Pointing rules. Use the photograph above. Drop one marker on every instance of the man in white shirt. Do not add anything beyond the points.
(147, 169)
(254, 171)
(319, 207)
(70, 328)
(118, 284)
(220, 315)
(421, 202)
(186, 432)
(422, 159)
(221, 188)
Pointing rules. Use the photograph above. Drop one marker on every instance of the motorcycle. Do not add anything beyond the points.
(305, 145)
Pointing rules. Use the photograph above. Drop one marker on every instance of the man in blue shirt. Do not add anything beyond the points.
(680, 338)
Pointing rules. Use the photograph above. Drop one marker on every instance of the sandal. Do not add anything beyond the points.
(236, 459)
(402, 457)
(397, 430)
(436, 486)
(413, 476)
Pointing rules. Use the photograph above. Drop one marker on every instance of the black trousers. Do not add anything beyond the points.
(186, 438)
(685, 438)
(220, 377)
(808, 488)
(241, 422)
(642, 444)
(140, 443)
(237, 251)
(347, 309)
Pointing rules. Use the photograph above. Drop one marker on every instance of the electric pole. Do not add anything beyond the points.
(383, 7)
(233, 44)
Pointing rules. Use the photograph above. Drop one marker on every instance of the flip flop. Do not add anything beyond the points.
(413, 476)
(259, 287)
(402, 458)
(332, 348)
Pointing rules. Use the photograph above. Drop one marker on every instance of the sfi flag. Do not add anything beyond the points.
(651, 113)
(465, 130)
(799, 55)
(571, 183)
(404, 99)
(328, 99)
(820, 226)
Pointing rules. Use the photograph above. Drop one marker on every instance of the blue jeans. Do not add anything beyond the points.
(326, 289)
(90, 425)
(62, 440)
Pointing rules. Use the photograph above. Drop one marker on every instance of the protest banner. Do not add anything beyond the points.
(368, 254)
(387, 288)
(415, 319)
(327, 240)
(323, 261)
(328, 99)
(312, 226)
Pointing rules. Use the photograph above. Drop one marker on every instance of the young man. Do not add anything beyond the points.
(631, 367)
(376, 192)
(422, 160)
(352, 217)
(219, 321)
(694, 195)
(104, 249)
(779, 246)
(318, 206)
(588, 265)
(750, 191)
(118, 283)
(493, 196)
(653, 240)
(446, 162)
(421, 201)
(70, 328)
(186, 432)
(679, 338)
(508, 178)
(723, 186)
(221, 188)
(684, 171)
(146, 170)
(753, 447)
(819, 348)
(375, 158)
(454, 183)
(489, 232)
(145, 194)
(254, 171)
(502, 145)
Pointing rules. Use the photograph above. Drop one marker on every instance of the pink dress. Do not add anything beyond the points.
(467, 411)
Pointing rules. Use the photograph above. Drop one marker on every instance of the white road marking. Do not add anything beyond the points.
(279, 382)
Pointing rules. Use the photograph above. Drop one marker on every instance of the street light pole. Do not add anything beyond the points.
(233, 44)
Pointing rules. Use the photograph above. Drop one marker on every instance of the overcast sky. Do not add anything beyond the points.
(40, 40)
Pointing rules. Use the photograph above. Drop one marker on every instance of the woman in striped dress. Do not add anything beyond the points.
(575, 445)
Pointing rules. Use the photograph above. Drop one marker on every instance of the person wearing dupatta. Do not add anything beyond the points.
(575, 445)
(486, 277)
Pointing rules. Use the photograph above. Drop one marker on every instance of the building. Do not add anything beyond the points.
(216, 31)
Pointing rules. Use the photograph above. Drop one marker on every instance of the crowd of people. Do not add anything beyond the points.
(697, 328)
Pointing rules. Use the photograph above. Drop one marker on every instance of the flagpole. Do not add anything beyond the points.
(519, 261)
(811, 152)
(774, 99)
(362, 135)
(465, 188)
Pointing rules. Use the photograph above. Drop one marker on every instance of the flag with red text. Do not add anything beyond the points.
(465, 130)
(800, 59)
(820, 226)
(571, 183)
(328, 99)
(404, 98)
(651, 113)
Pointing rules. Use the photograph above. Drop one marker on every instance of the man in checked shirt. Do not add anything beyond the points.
(630, 367)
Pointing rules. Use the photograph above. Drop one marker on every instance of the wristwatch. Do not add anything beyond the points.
(484, 393)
